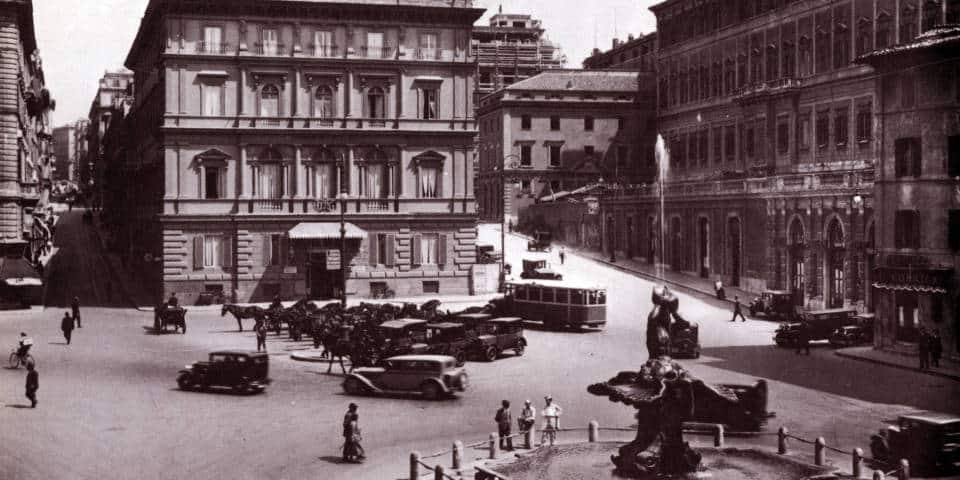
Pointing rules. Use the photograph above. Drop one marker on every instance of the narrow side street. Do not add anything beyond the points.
(79, 268)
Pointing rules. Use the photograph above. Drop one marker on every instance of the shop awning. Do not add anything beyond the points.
(324, 231)
(17, 271)
(903, 287)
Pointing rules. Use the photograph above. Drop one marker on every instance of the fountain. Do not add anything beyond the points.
(663, 167)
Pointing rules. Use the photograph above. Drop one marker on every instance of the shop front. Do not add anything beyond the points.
(911, 300)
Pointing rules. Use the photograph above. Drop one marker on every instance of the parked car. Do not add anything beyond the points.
(432, 376)
(501, 334)
(851, 335)
(448, 338)
(930, 441)
(473, 323)
(538, 268)
(820, 326)
(540, 241)
(241, 371)
(773, 304)
(486, 253)
(403, 336)
(685, 340)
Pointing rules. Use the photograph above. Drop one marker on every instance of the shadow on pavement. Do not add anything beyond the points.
(333, 459)
(57, 343)
(824, 371)
(17, 405)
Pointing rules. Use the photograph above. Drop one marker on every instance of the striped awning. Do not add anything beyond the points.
(901, 287)
(324, 231)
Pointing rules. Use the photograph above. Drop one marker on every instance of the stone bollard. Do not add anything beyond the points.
(718, 436)
(438, 472)
(493, 445)
(457, 455)
(782, 441)
(414, 465)
(528, 437)
(593, 435)
(878, 475)
(857, 467)
(903, 473)
(819, 451)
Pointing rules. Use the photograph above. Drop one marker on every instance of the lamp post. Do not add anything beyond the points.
(502, 280)
(343, 232)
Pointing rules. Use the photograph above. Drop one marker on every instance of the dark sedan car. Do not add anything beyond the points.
(240, 371)
(851, 335)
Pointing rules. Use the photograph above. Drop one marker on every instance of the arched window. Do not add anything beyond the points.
(796, 261)
(270, 101)
(323, 103)
(324, 181)
(376, 175)
(270, 175)
(376, 103)
(835, 257)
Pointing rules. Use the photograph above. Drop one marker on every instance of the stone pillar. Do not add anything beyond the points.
(299, 186)
(242, 173)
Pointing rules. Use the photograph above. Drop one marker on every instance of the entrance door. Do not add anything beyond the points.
(704, 248)
(734, 234)
(323, 282)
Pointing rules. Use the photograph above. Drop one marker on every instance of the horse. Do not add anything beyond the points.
(164, 315)
(241, 312)
(337, 343)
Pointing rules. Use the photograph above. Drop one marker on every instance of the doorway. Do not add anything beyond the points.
(323, 282)
(795, 262)
(704, 231)
(835, 257)
(733, 228)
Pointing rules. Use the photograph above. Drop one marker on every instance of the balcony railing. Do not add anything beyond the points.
(771, 87)
(429, 54)
(325, 51)
(266, 205)
(318, 206)
(214, 48)
(270, 49)
(377, 52)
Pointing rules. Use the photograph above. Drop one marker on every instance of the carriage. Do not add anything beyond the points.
(165, 315)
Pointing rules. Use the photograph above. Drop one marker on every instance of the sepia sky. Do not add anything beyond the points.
(77, 43)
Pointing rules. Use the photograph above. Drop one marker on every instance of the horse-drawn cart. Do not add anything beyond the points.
(165, 315)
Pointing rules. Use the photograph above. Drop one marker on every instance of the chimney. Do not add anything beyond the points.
(630, 37)
(616, 42)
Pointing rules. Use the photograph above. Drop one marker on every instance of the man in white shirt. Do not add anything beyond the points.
(551, 416)
(527, 416)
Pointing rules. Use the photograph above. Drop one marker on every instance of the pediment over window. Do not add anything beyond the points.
(863, 21)
(883, 14)
(211, 157)
(376, 155)
(325, 154)
(429, 157)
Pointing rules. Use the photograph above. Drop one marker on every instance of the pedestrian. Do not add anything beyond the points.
(75, 307)
(33, 384)
(510, 226)
(803, 338)
(923, 348)
(504, 421)
(718, 289)
(352, 451)
(563, 255)
(527, 417)
(67, 326)
(551, 420)
(936, 348)
(737, 310)
(261, 329)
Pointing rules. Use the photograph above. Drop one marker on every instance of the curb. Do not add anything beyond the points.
(951, 376)
(308, 357)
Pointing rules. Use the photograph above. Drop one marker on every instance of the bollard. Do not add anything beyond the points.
(904, 472)
(857, 467)
(457, 455)
(819, 451)
(493, 445)
(438, 472)
(593, 435)
(718, 436)
(878, 475)
(414, 465)
(528, 437)
(782, 441)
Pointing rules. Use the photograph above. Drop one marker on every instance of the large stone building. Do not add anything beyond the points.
(918, 189)
(251, 116)
(634, 53)
(64, 149)
(561, 130)
(25, 133)
(114, 94)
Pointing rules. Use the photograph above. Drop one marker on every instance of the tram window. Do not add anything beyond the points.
(576, 297)
(563, 295)
(591, 298)
(520, 293)
(601, 297)
(533, 294)
(548, 295)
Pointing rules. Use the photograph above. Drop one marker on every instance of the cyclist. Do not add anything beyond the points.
(25, 344)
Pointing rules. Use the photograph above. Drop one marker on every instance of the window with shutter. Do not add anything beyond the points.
(391, 251)
(372, 248)
(442, 250)
(267, 249)
(285, 252)
(198, 252)
(417, 254)
(227, 252)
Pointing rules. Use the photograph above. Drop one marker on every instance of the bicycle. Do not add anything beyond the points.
(16, 360)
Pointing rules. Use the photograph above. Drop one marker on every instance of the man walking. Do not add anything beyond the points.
(33, 384)
(67, 326)
(737, 310)
(923, 348)
(936, 348)
(504, 421)
(261, 330)
(75, 307)
(551, 417)
(352, 451)
(563, 255)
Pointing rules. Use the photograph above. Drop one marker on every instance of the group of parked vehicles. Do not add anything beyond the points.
(842, 327)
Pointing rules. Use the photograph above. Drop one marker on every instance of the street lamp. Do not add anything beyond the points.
(343, 232)
(503, 219)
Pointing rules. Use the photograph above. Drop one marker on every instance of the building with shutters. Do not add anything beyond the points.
(114, 95)
(634, 53)
(918, 190)
(252, 116)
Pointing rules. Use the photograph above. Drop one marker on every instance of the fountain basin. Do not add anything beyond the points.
(592, 461)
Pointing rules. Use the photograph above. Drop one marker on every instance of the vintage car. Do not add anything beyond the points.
(501, 334)
(773, 304)
(685, 340)
(540, 241)
(820, 325)
(538, 268)
(486, 253)
(851, 335)
(403, 336)
(473, 323)
(930, 441)
(432, 376)
(448, 338)
(240, 371)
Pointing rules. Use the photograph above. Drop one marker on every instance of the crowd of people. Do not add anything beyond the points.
(930, 348)
(525, 421)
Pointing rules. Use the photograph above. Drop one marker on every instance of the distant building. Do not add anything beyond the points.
(917, 249)
(255, 127)
(114, 94)
(80, 148)
(636, 53)
(64, 148)
(511, 49)
(561, 130)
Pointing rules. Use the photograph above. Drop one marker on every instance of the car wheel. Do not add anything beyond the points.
(352, 386)
(696, 353)
(430, 391)
(183, 381)
(519, 349)
(490, 354)
(461, 358)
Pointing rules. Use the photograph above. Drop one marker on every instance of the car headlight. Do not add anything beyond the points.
(188, 367)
